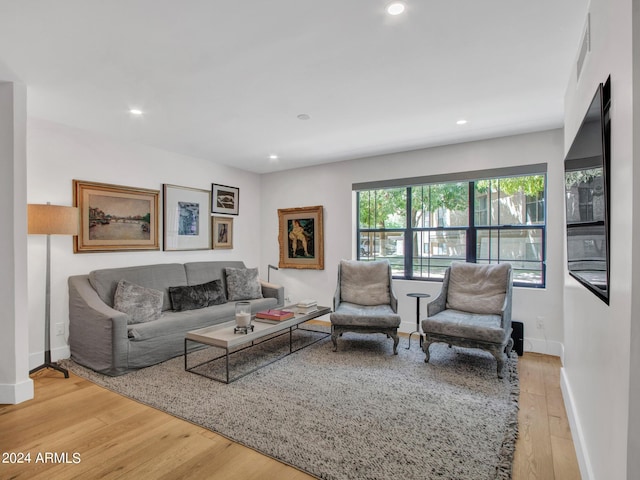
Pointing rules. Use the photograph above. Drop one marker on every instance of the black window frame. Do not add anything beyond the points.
(471, 231)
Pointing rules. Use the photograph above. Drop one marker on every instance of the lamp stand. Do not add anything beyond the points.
(269, 268)
(47, 321)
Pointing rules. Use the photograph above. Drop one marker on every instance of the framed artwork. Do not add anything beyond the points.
(224, 199)
(300, 238)
(186, 218)
(222, 232)
(115, 218)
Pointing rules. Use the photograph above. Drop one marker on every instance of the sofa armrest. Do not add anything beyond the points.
(98, 335)
(272, 290)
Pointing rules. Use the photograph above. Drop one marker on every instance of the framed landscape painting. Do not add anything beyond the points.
(186, 218)
(300, 238)
(222, 232)
(224, 199)
(115, 217)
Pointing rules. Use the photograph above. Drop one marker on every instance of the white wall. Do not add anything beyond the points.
(330, 186)
(57, 155)
(633, 460)
(595, 377)
(15, 384)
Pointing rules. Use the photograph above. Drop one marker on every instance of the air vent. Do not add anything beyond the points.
(585, 48)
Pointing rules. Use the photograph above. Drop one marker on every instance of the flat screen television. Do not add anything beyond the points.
(586, 169)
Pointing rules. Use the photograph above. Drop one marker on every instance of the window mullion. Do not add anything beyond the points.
(408, 239)
(471, 230)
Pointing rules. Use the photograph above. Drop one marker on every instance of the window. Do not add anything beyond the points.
(421, 229)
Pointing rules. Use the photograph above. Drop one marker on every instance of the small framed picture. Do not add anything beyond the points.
(224, 199)
(222, 232)
(115, 218)
(186, 218)
(300, 238)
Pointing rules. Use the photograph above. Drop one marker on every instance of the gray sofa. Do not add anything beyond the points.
(105, 340)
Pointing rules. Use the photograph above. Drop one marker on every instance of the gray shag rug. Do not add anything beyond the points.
(359, 413)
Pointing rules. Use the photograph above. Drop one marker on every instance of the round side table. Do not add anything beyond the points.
(417, 296)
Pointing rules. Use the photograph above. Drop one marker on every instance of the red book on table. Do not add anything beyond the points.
(275, 314)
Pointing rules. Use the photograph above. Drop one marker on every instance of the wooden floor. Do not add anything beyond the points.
(544, 449)
(75, 429)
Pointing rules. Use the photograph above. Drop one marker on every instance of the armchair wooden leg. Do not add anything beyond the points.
(395, 343)
(499, 356)
(334, 339)
(509, 347)
(425, 349)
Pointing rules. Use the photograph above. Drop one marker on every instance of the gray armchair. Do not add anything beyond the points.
(473, 310)
(364, 301)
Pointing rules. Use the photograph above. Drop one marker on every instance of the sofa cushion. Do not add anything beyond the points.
(477, 288)
(178, 323)
(140, 303)
(481, 327)
(364, 283)
(159, 277)
(192, 297)
(349, 314)
(242, 284)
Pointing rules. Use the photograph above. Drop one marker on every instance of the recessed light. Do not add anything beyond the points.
(303, 116)
(136, 111)
(395, 8)
(461, 122)
(273, 157)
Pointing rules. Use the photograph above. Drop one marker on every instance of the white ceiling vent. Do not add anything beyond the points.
(585, 47)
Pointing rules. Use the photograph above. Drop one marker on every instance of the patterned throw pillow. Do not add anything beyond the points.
(242, 284)
(140, 303)
(192, 297)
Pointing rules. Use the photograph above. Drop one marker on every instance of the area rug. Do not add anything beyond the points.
(359, 413)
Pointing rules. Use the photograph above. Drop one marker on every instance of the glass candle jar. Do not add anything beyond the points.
(243, 314)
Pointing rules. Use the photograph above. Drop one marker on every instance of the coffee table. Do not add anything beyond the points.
(223, 336)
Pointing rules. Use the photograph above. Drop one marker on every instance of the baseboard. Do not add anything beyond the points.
(16, 393)
(547, 347)
(584, 464)
(36, 359)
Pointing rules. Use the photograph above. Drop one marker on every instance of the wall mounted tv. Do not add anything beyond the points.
(586, 168)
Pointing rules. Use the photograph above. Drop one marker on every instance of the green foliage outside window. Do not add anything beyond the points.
(507, 224)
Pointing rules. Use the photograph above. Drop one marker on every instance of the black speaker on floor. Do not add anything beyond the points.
(518, 337)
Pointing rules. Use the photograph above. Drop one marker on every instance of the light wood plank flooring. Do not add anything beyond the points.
(118, 438)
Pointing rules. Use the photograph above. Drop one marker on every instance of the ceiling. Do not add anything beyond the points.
(227, 80)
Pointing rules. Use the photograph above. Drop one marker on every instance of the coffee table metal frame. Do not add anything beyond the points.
(222, 336)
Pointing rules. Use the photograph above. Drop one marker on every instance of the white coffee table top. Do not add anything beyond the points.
(222, 335)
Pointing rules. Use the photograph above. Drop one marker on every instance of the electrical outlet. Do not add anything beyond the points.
(59, 329)
(287, 299)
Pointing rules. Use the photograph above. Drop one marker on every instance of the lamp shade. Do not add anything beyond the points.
(52, 220)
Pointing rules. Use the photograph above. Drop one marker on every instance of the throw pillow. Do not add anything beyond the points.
(192, 297)
(242, 284)
(140, 303)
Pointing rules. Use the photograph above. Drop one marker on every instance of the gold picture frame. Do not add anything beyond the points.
(301, 237)
(222, 232)
(115, 218)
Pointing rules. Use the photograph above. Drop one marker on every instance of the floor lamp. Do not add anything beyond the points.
(51, 220)
(269, 268)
